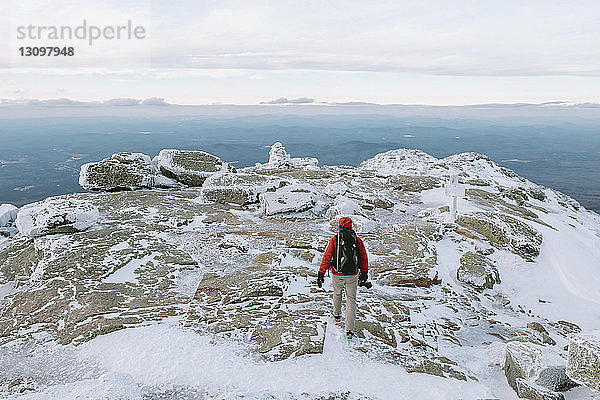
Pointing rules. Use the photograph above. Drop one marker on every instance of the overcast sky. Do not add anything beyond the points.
(246, 52)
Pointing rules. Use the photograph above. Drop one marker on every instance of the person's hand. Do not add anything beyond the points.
(363, 276)
(320, 279)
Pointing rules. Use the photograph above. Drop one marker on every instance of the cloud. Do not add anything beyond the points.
(154, 101)
(285, 100)
(122, 102)
(64, 102)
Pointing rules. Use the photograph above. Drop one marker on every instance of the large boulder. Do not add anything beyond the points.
(8, 214)
(335, 189)
(555, 378)
(523, 360)
(238, 188)
(505, 231)
(583, 364)
(342, 207)
(189, 167)
(296, 198)
(122, 171)
(56, 215)
(477, 270)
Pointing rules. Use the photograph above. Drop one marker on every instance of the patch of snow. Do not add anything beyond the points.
(166, 355)
(109, 386)
(126, 273)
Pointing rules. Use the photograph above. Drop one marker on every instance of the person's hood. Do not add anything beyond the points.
(345, 222)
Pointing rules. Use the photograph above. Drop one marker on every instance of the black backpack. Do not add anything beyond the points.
(347, 259)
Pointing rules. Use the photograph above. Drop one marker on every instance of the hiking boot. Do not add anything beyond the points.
(337, 318)
(349, 334)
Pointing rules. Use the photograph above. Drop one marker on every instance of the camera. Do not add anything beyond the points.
(366, 284)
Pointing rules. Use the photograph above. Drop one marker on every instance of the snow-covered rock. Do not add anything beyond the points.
(343, 207)
(335, 189)
(505, 231)
(8, 213)
(523, 360)
(238, 188)
(471, 167)
(123, 171)
(56, 215)
(280, 159)
(479, 166)
(529, 390)
(189, 167)
(292, 198)
(400, 161)
(555, 378)
(583, 365)
(477, 270)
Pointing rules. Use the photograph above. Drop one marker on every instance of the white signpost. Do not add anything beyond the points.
(454, 190)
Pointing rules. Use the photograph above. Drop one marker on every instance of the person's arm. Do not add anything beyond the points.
(328, 255)
(364, 259)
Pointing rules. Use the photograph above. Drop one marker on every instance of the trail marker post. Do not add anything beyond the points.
(454, 190)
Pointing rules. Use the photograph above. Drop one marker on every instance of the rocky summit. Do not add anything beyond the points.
(486, 304)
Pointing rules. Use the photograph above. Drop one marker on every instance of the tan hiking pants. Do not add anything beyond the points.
(350, 284)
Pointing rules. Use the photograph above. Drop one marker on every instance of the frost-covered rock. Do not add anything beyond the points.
(479, 166)
(505, 231)
(343, 207)
(8, 214)
(477, 270)
(56, 215)
(292, 198)
(123, 171)
(335, 189)
(238, 188)
(529, 390)
(271, 317)
(280, 159)
(400, 161)
(410, 183)
(189, 167)
(555, 378)
(407, 256)
(523, 360)
(583, 365)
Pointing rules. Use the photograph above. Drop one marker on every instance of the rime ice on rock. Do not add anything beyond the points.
(238, 188)
(280, 159)
(8, 213)
(189, 167)
(296, 198)
(122, 171)
(56, 215)
(583, 365)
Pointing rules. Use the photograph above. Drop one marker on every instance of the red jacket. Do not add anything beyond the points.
(330, 251)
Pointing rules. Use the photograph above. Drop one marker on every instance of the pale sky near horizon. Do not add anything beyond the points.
(245, 52)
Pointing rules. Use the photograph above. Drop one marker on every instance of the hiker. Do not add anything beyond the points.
(345, 260)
